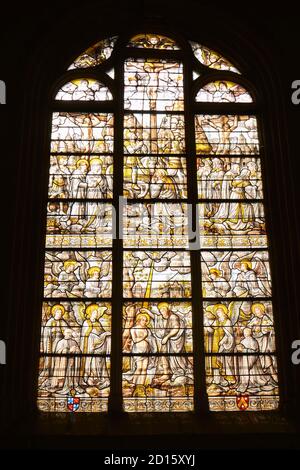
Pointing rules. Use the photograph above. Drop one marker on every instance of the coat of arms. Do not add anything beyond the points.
(242, 402)
(73, 404)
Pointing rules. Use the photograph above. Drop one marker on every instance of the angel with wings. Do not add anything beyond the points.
(65, 272)
(95, 283)
(252, 279)
(221, 338)
(236, 274)
(78, 274)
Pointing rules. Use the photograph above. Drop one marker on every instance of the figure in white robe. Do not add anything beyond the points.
(229, 176)
(255, 191)
(94, 340)
(216, 177)
(237, 216)
(67, 279)
(66, 366)
(248, 368)
(96, 182)
(52, 333)
(175, 369)
(247, 283)
(97, 188)
(204, 170)
(219, 287)
(223, 343)
(78, 189)
(261, 325)
(54, 329)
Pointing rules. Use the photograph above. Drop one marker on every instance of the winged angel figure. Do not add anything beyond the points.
(78, 274)
(228, 331)
(85, 329)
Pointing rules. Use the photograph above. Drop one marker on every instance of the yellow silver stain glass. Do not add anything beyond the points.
(83, 133)
(79, 224)
(84, 89)
(238, 224)
(74, 371)
(164, 172)
(156, 274)
(153, 85)
(226, 135)
(154, 133)
(80, 176)
(211, 58)
(95, 55)
(152, 41)
(164, 225)
(71, 328)
(148, 177)
(218, 176)
(223, 91)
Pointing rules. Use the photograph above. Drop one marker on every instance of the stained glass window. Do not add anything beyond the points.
(211, 59)
(84, 89)
(95, 55)
(152, 41)
(157, 278)
(223, 91)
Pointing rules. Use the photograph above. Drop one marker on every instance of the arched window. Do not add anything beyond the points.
(157, 281)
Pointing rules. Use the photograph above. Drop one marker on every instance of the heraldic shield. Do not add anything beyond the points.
(73, 404)
(242, 402)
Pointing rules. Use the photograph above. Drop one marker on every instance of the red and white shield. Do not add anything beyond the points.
(73, 404)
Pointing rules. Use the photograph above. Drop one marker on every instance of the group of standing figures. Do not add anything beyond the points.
(76, 346)
(156, 340)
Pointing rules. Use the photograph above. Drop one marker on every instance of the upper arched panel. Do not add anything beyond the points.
(84, 89)
(223, 91)
(211, 59)
(95, 55)
(152, 41)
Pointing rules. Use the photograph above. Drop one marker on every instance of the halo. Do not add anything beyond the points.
(69, 263)
(215, 271)
(58, 307)
(139, 315)
(93, 269)
(258, 304)
(220, 306)
(98, 160)
(247, 262)
(82, 160)
(90, 308)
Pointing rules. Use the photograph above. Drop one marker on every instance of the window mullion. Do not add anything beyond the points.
(200, 395)
(115, 399)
